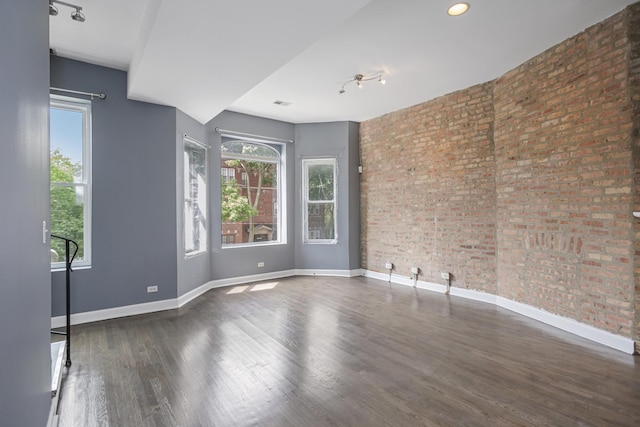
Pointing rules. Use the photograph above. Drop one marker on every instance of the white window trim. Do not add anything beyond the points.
(227, 174)
(188, 141)
(84, 106)
(305, 201)
(281, 188)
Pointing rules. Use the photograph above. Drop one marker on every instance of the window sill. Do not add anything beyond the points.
(320, 242)
(251, 245)
(75, 268)
(192, 255)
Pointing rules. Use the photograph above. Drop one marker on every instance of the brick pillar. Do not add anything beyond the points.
(633, 26)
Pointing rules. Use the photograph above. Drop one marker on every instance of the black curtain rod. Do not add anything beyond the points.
(101, 95)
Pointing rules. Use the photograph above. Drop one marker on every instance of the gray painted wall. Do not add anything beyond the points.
(330, 140)
(242, 261)
(354, 196)
(134, 195)
(25, 293)
(137, 216)
(193, 271)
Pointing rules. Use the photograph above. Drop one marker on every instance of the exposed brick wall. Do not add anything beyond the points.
(428, 190)
(564, 181)
(633, 25)
(539, 164)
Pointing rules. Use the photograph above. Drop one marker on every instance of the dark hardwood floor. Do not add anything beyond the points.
(311, 351)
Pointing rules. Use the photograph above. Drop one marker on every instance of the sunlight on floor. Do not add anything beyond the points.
(254, 288)
(237, 290)
(264, 286)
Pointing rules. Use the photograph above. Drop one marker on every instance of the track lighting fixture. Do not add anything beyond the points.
(76, 15)
(359, 78)
(53, 11)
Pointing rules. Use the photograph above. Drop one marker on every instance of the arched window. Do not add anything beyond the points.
(251, 192)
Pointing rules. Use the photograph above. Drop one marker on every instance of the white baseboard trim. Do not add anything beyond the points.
(113, 313)
(193, 294)
(473, 295)
(404, 280)
(169, 304)
(580, 329)
(569, 325)
(331, 273)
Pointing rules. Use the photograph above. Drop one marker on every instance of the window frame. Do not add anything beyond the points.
(306, 202)
(188, 142)
(281, 205)
(83, 106)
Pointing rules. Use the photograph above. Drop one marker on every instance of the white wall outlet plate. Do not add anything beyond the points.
(445, 275)
(388, 266)
(261, 264)
(414, 270)
(152, 289)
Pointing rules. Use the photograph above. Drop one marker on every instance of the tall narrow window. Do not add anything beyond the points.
(319, 199)
(70, 178)
(195, 197)
(250, 207)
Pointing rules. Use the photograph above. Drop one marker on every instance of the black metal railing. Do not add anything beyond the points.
(68, 261)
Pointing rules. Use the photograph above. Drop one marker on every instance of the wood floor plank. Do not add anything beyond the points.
(312, 351)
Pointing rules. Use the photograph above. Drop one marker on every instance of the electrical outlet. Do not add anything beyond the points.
(152, 289)
(388, 266)
(261, 264)
(415, 270)
(445, 275)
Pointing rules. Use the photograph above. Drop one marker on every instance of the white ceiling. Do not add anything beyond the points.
(205, 56)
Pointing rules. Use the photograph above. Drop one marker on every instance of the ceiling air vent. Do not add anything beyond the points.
(282, 103)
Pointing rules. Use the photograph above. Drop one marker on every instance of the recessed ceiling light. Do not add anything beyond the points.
(458, 9)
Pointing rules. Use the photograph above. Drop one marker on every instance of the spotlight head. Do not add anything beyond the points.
(76, 15)
(341, 91)
(458, 9)
(53, 11)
